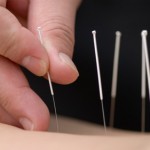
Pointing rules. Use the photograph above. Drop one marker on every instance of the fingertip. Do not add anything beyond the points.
(43, 122)
(35, 123)
(67, 60)
(34, 56)
(62, 69)
(36, 117)
(71, 70)
(35, 65)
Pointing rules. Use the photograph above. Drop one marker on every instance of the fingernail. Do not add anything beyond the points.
(26, 123)
(35, 65)
(66, 59)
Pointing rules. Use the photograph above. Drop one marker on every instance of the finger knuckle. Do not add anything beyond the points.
(8, 34)
(58, 28)
(8, 46)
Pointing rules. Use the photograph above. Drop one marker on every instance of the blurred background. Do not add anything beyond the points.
(81, 99)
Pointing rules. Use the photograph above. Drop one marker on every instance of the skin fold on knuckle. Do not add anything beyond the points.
(59, 31)
(9, 28)
(9, 46)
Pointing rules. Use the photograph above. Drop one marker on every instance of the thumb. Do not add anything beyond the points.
(57, 19)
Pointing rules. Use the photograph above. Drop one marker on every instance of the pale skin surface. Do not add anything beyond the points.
(32, 140)
(19, 45)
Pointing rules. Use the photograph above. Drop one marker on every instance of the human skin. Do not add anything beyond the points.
(19, 45)
(12, 137)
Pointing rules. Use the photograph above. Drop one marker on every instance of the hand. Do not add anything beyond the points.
(19, 45)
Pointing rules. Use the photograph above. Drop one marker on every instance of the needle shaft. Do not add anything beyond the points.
(99, 78)
(50, 83)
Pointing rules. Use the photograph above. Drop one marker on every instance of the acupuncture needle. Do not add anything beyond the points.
(114, 78)
(99, 77)
(50, 82)
(143, 89)
(145, 47)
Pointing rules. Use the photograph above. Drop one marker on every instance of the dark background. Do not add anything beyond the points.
(81, 99)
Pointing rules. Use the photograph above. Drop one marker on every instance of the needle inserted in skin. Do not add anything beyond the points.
(114, 78)
(50, 83)
(143, 89)
(144, 40)
(99, 78)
